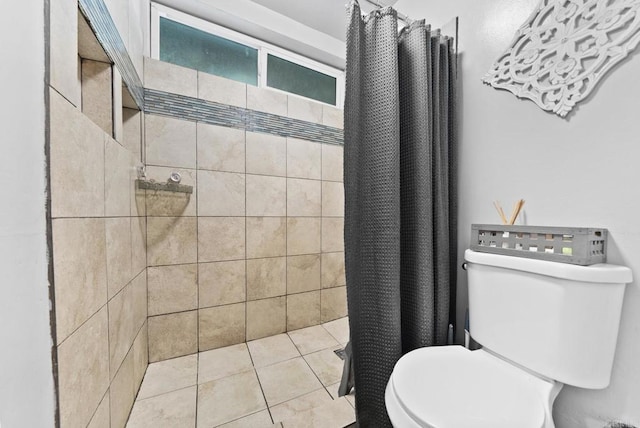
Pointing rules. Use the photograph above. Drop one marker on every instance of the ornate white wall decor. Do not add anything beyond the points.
(558, 56)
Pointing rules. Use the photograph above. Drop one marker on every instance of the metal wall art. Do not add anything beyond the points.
(563, 50)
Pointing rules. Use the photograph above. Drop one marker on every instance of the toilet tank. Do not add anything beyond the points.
(557, 319)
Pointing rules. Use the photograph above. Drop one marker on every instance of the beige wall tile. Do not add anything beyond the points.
(117, 180)
(266, 237)
(332, 234)
(266, 154)
(121, 329)
(304, 198)
(266, 317)
(304, 159)
(172, 289)
(221, 326)
(267, 100)
(334, 303)
(333, 116)
(266, 278)
(221, 90)
(138, 196)
(303, 273)
(97, 97)
(170, 78)
(118, 233)
(221, 283)
(220, 148)
(221, 238)
(171, 240)
(228, 399)
(171, 204)
(170, 142)
(303, 235)
(117, 87)
(173, 335)
(132, 131)
(221, 193)
(83, 371)
(140, 356)
(303, 310)
(122, 394)
(138, 244)
(332, 199)
(139, 301)
(333, 270)
(300, 108)
(332, 162)
(63, 49)
(101, 418)
(80, 271)
(77, 162)
(88, 45)
(266, 196)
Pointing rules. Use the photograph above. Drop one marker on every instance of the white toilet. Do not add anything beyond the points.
(542, 325)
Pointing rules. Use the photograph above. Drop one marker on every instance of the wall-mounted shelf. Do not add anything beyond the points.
(166, 187)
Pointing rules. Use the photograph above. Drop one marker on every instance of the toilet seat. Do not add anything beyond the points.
(452, 387)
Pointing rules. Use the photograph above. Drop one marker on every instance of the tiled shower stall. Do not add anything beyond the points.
(144, 276)
(257, 249)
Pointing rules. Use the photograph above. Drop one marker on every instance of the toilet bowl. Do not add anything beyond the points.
(542, 325)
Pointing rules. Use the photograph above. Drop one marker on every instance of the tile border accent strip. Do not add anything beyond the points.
(195, 109)
(105, 29)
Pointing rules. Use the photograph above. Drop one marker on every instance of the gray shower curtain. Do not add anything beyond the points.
(399, 177)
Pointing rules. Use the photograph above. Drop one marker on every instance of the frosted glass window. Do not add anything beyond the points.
(189, 47)
(297, 79)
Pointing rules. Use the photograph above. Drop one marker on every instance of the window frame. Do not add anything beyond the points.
(264, 49)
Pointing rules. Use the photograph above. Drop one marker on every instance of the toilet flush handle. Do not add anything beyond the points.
(464, 266)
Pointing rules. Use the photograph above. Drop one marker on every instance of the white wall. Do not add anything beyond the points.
(580, 171)
(26, 382)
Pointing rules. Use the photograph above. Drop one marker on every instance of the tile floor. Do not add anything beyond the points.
(285, 381)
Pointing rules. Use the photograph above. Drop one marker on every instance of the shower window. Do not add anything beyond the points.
(191, 42)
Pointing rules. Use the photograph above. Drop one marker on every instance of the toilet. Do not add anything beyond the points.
(541, 325)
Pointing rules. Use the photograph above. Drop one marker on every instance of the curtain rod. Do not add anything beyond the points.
(401, 16)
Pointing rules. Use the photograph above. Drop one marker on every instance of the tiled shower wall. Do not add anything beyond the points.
(257, 249)
(98, 230)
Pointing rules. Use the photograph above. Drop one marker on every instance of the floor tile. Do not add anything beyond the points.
(287, 380)
(336, 414)
(257, 420)
(308, 401)
(222, 362)
(169, 375)
(326, 365)
(339, 329)
(174, 409)
(230, 398)
(333, 390)
(312, 339)
(271, 350)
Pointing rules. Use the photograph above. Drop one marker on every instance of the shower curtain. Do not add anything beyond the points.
(400, 213)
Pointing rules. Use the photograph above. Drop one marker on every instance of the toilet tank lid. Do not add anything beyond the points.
(601, 272)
